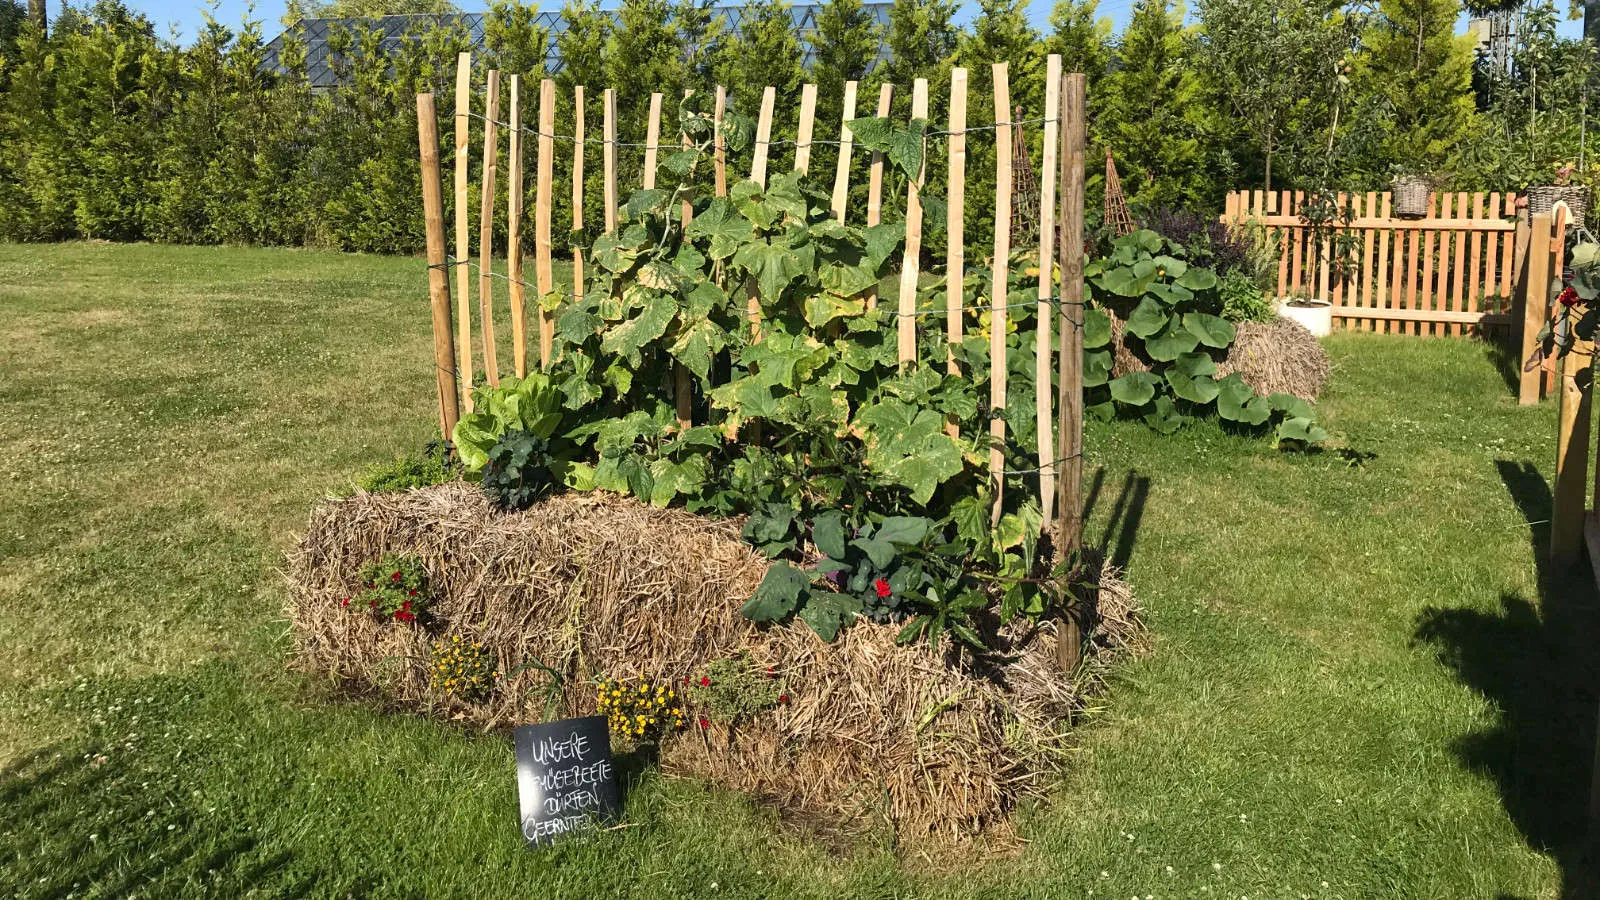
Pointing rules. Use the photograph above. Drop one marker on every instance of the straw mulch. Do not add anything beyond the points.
(1280, 356)
(936, 744)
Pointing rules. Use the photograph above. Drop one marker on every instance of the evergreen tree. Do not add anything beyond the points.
(1412, 62)
(844, 48)
(922, 41)
(763, 50)
(1153, 117)
(700, 27)
(1082, 40)
(582, 47)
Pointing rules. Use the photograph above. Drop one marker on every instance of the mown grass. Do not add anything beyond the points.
(1363, 682)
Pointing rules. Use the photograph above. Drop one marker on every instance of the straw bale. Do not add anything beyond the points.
(936, 743)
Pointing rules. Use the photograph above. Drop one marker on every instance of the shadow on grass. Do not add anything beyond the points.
(1534, 659)
(1127, 513)
(1502, 353)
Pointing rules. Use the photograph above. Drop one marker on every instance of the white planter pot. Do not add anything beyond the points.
(1315, 315)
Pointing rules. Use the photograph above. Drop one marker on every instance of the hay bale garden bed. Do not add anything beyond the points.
(938, 741)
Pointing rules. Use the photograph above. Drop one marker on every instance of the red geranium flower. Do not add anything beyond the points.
(413, 592)
(771, 672)
(704, 723)
(406, 606)
(685, 679)
(882, 587)
(395, 577)
(346, 601)
(1569, 297)
(372, 603)
(783, 698)
(704, 681)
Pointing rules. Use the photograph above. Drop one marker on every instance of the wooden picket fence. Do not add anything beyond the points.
(1061, 150)
(1451, 272)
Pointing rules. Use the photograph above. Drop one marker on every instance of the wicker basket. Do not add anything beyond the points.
(1411, 196)
(1543, 198)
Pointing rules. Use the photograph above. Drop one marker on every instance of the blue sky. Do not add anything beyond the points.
(185, 16)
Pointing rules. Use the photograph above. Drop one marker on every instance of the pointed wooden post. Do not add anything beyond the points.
(491, 147)
(463, 229)
(438, 278)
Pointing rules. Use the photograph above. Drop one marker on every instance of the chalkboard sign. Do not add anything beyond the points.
(565, 778)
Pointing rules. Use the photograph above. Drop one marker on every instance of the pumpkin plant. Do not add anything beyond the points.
(1171, 318)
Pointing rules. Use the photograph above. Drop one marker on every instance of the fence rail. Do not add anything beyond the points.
(1451, 272)
(454, 343)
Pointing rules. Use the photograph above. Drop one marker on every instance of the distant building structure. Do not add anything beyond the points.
(314, 33)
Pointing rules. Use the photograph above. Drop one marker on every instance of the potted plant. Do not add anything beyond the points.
(1326, 223)
(1564, 187)
(1412, 194)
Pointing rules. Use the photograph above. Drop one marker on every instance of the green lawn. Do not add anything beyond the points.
(1363, 682)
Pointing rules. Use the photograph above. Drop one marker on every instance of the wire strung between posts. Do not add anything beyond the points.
(780, 142)
(1048, 466)
(451, 262)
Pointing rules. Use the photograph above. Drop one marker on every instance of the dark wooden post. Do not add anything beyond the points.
(1069, 399)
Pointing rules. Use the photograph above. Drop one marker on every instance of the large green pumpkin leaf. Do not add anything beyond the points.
(1198, 279)
(1193, 388)
(1148, 318)
(1135, 388)
(1237, 403)
(1096, 368)
(1291, 406)
(1096, 329)
(1213, 331)
(1193, 364)
(1171, 343)
(1164, 416)
(1301, 429)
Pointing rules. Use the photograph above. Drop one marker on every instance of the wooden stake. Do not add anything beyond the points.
(541, 217)
(685, 143)
(758, 174)
(720, 154)
(682, 385)
(1533, 297)
(491, 149)
(1047, 235)
(998, 290)
(519, 335)
(438, 278)
(1069, 389)
(907, 348)
(808, 122)
(651, 138)
(463, 230)
(577, 189)
(841, 175)
(609, 156)
(955, 218)
(875, 181)
(1571, 490)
